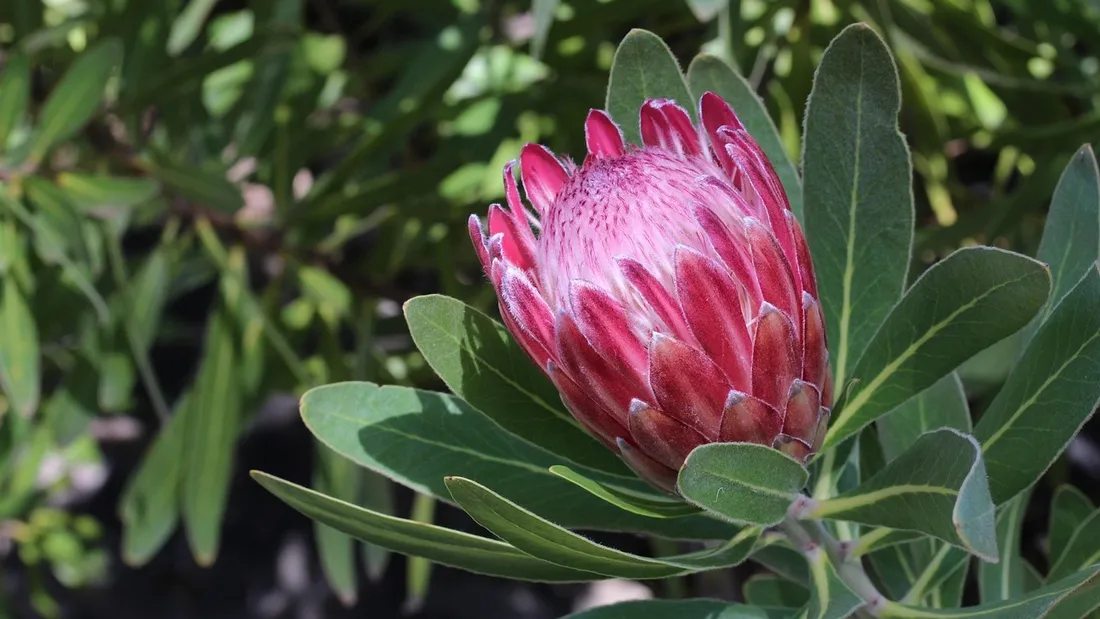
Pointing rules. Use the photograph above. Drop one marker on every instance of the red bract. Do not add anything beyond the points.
(667, 291)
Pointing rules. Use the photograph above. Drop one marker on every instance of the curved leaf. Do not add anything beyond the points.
(937, 487)
(651, 506)
(668, 609)
(943, 405)
(970, 300)
(439, 544)
(20, 367)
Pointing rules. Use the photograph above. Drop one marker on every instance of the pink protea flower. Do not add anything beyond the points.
(667, 291)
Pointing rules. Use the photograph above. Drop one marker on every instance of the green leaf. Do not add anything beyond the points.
(15, 92)
(20, 368)
(644, 505)
(784, 561)
(210, 437)
(187, 25)
(741, 482)
(1068, 509)
(857, 194)
(1005, 580)
(76, 97)
(57, 212)
(418, 570)
(643, 68)
(257, 109)
(542, 12)
(149, 507)
(943, 405)
(205, 187)
(672, 609)
(106, 195)
(1047, 397)
(880, 538)
(339, 478)
(970, 300)
(710, 73)
(462, 550)
(483, 365)
(937, 487)
(419, 437)
(830, 597)
(543, 539)
(1082, 550)
(377, 496)
(1071, 236)
(1054, 601)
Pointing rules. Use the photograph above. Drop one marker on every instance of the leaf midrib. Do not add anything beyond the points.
(840, 505)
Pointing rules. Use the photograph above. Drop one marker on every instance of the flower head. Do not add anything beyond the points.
(667, 291)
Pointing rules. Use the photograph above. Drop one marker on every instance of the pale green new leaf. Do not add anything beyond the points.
(453, 548)
(937, 487)
(710, 73)
(858, 198)
(741, 482)
(1048, 396)
(643, 68)
(970, 300)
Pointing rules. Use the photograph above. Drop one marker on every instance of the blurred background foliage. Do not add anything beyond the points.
(208, 206)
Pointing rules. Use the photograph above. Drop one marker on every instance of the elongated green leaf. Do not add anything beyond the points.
(937, 487)
(830, 597)
(645, 505)
(204, 187)
(210, 436)
(672, 609)
(1048, 396)
(418, 570)
(188, 25)
(858, 198)
(106, 195)
(15, 92)
(943, 405)
(418, 437)
(542, 11)
(546, 540)
(484, 366)
(262, 95)
(785, 561)
(710, 73)
(20, 368)
(1068, 509)
(339, 478)
(970, 300)
(1071, 236)
(150, 504)
(643, 68)
(76, 97)
(741, 482)
(462, 550)
(1005, 579)
(377, 495)
(1057, 600)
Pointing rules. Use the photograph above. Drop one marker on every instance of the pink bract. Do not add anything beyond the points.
(667, 290)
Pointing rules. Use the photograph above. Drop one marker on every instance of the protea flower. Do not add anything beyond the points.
(667, 290)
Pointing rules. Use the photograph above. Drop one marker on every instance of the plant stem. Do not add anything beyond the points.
(807, 536)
